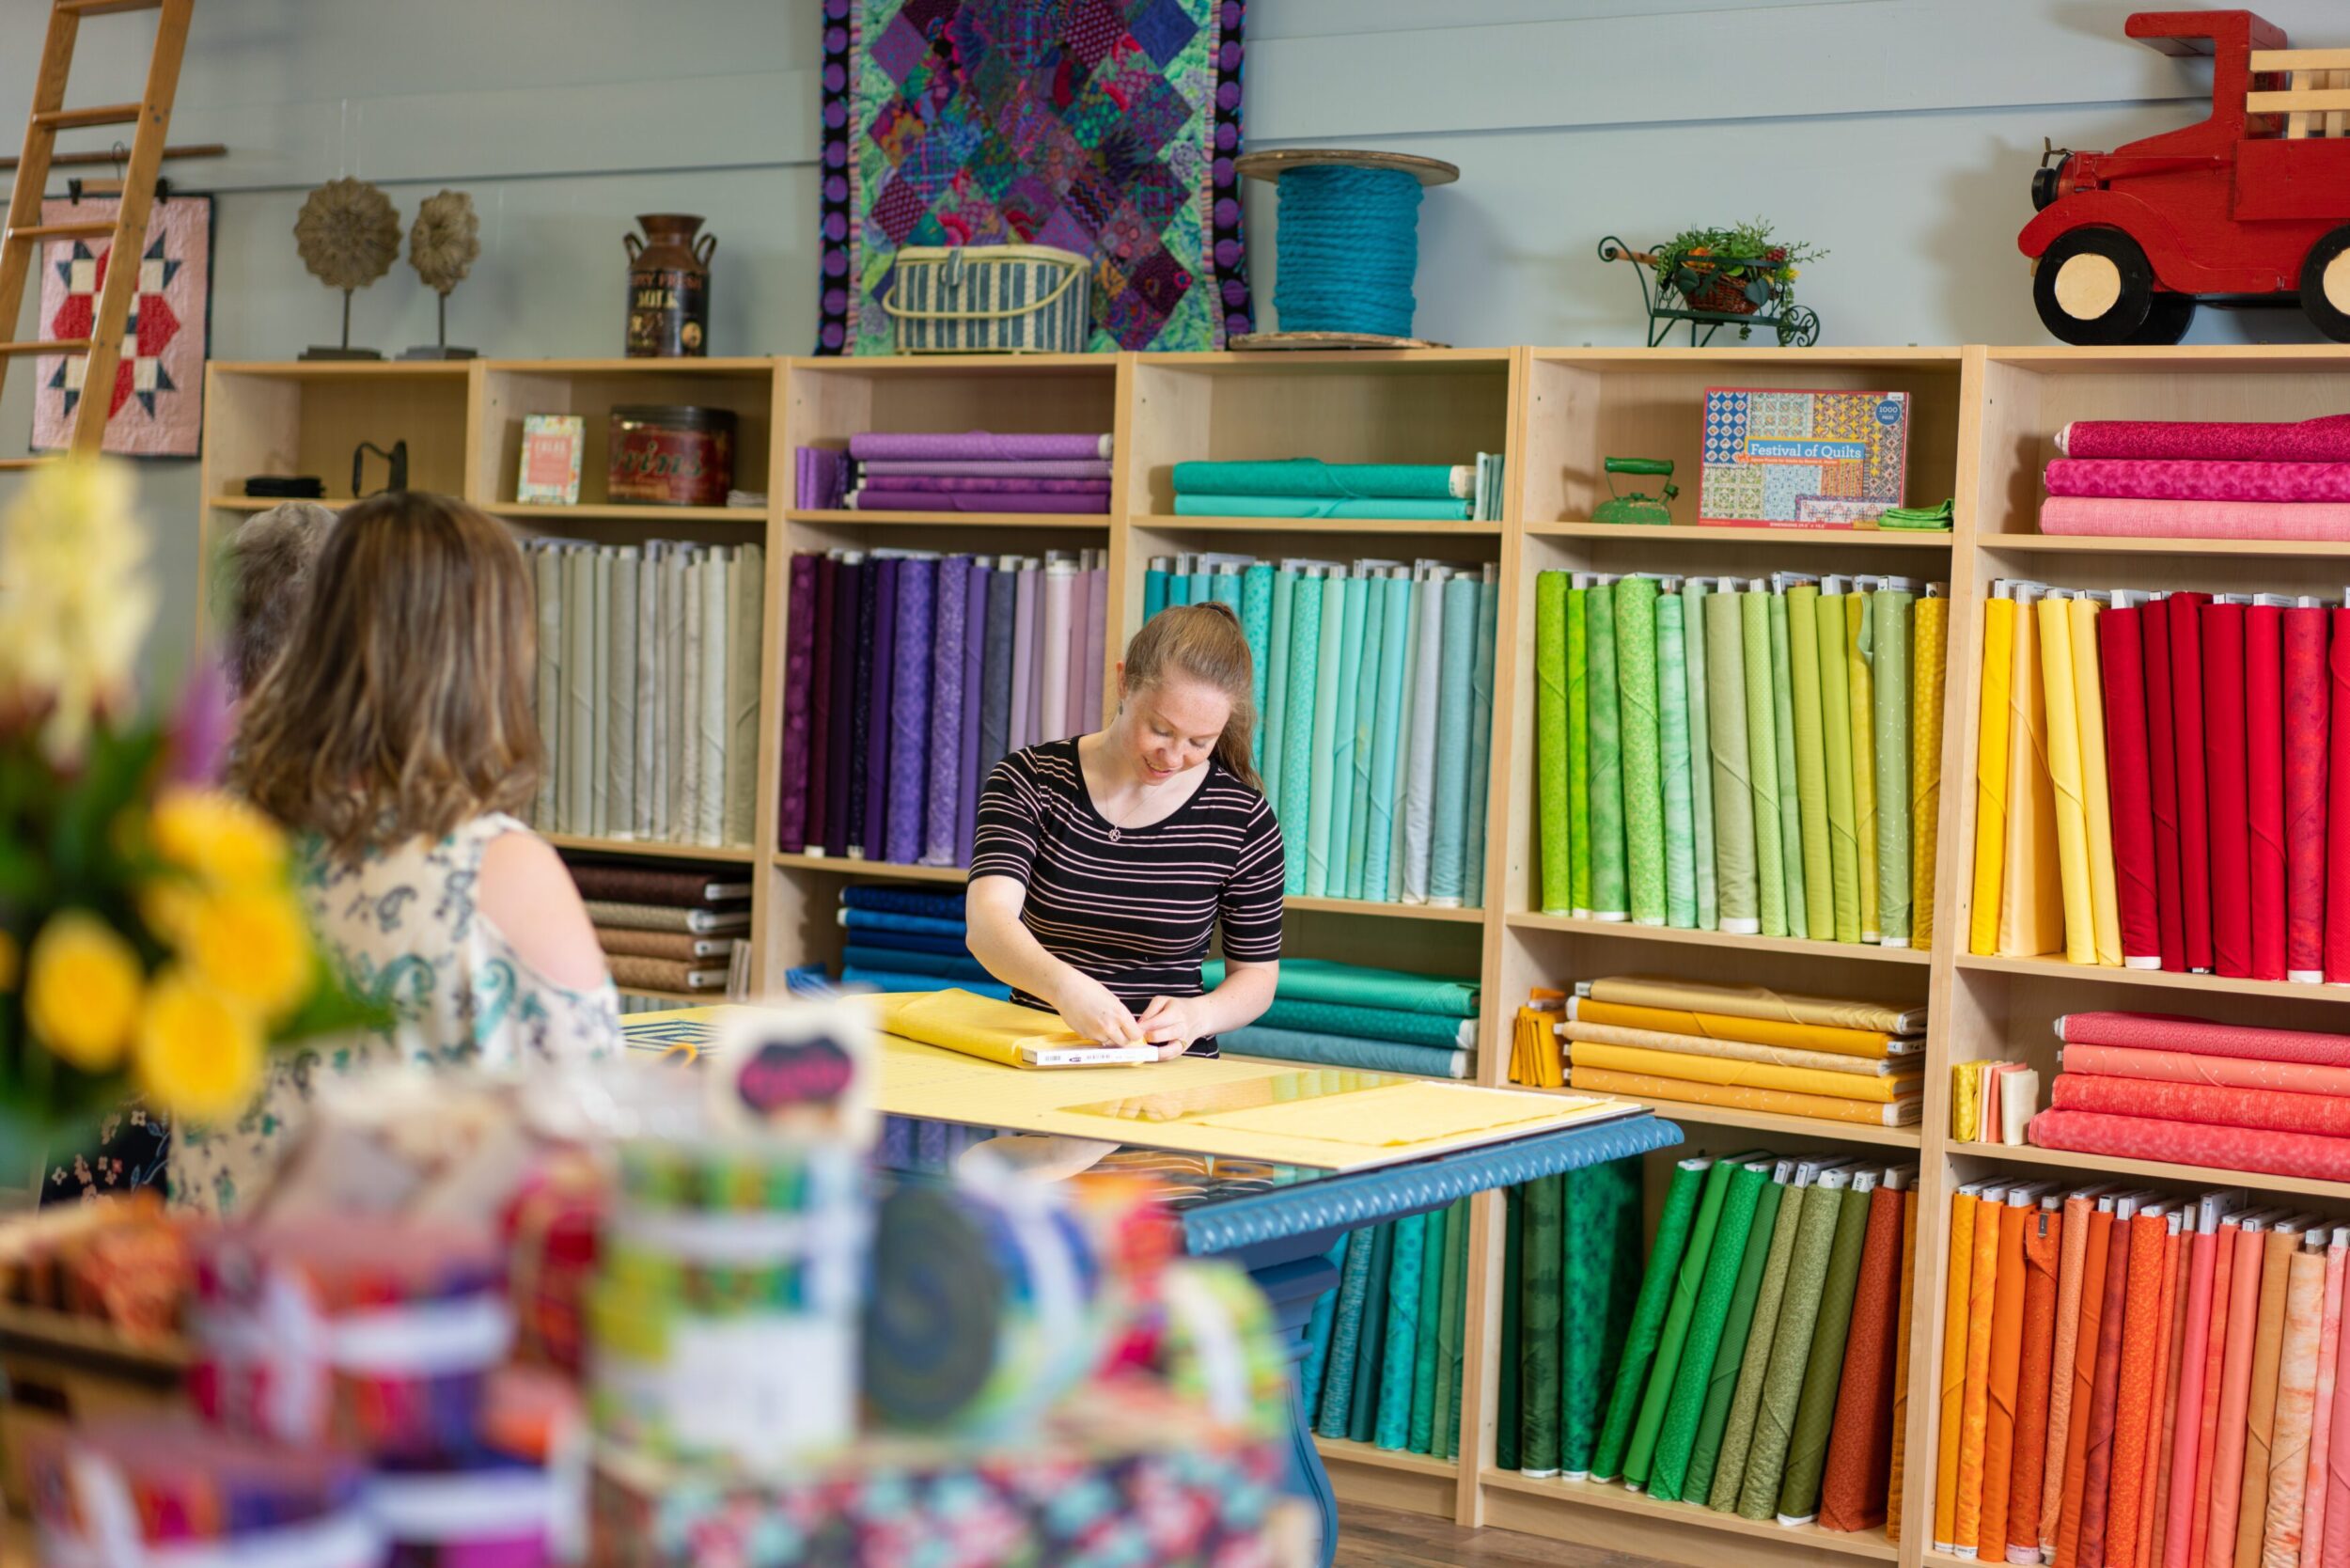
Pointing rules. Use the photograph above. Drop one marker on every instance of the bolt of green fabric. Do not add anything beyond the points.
(1791, 1353)
(1609, 899)
(1648, 1317)
(1894, 631)
(1550, 740)
(1705, 1449)
(1680, 1311)
(1643, 757)
(1815, 1410)
(1672, 740)
(1603, 1284)
(1542, 1295)
(1578, 757)
(1803, 642)
(1723, 762)
(1754, 1362)
(1754, 636)
(1843, 840)
(1696, 658)
(1668, 1471)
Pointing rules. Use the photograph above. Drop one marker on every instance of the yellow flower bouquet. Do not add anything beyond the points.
(152, 941)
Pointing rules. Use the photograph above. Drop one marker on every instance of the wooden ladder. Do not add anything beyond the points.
(20, 248)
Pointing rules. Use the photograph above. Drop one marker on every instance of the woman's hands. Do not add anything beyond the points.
(1087, 1008)
(1172, 1023)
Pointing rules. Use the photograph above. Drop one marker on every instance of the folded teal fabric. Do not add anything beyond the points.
(1311, 505)
(1311, 477)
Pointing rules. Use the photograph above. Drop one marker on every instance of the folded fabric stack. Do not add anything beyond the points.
(1738, 1046)
(1383, 1349)
(1345, 1015)
(904, 939)
(1374, 714)
(1760, 757)
(2195, 479)
(666, 929)
(648, 689)
(1309, 487)
(960, 471)
(2149, 1086)
(908, 676)
(1992, 1102)
(1761, 1369)
(2135, 1377)
(2156, 781)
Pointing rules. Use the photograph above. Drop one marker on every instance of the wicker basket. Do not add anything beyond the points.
(991, 298)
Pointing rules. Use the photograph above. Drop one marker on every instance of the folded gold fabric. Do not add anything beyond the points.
(975, 1025)
(1757, 1001)
(1754, 1032)
(1641, 1085)
(1736, 1050)
(1727, 1073)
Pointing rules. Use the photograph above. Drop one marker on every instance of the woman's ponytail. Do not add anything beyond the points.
(1204, 641)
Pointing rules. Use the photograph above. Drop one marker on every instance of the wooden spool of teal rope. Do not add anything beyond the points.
(1271, 167)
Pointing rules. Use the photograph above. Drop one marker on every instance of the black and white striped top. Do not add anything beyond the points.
(1133, 907)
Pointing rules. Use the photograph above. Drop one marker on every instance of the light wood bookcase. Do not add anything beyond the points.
(1982, 424)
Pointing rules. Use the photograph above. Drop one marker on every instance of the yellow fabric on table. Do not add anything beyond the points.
(1874, 1043)
(1992, 731)
(2031, 904)
(1399, 1113)
(975, 1025)
(1728, 1072)
(1756, 1001)
(1644, 1086)
(2064, 775)
(1736, 1050)
(2089, 705)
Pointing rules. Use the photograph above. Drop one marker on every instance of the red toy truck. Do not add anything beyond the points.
(2251, 206)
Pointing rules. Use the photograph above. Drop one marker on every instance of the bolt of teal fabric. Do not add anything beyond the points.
(1672, 744)
(1340, 760)
(1396, 1025)
(1224, 589)
(1754, 1361)
(1648, 1316)
(1178, 588)
(1894, 629)
(1331, 678)
(1811, 786)
(1419, 791)
(1679, 1310)
(1338, 1379)
(1393, 1428)
(1542, 1296)
(1843, 830)
(1509, 1406)
(1318, 1327)
(1815, 1409)
(1770, 877)
(1270, 754)
(1202, 587)
(1395, 647)
(1696, 658)
(1668, 1471)
(1153, 592)
(1601, 1279)
(1297, 734)
(1705, 1449)
(1643, 756)
(1578, 763)
(1724, 762)
(1318, 980)
(1367, 696)
(1791, 1353)
(1480, 740)
(1362, 1418)
(1550, 740)
(1256, 624)
(1455, 711)
(1431, 1257)
(1609, 901)
(1447, 1437)
(1311, 477)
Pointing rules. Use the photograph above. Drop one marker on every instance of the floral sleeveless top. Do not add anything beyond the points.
(403, 926)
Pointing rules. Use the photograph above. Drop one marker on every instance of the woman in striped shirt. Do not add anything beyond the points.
(1102, 863)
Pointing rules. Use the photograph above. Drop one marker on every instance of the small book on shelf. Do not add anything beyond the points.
(549, 462)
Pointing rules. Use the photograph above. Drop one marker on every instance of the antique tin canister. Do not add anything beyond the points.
(671, 455)
(668, 287)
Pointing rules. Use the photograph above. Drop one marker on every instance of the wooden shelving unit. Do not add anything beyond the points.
(1982, 424)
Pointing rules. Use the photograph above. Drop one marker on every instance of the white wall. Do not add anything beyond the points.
(1899, 133)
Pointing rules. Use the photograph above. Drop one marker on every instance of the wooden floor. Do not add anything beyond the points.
(1382, 1538)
